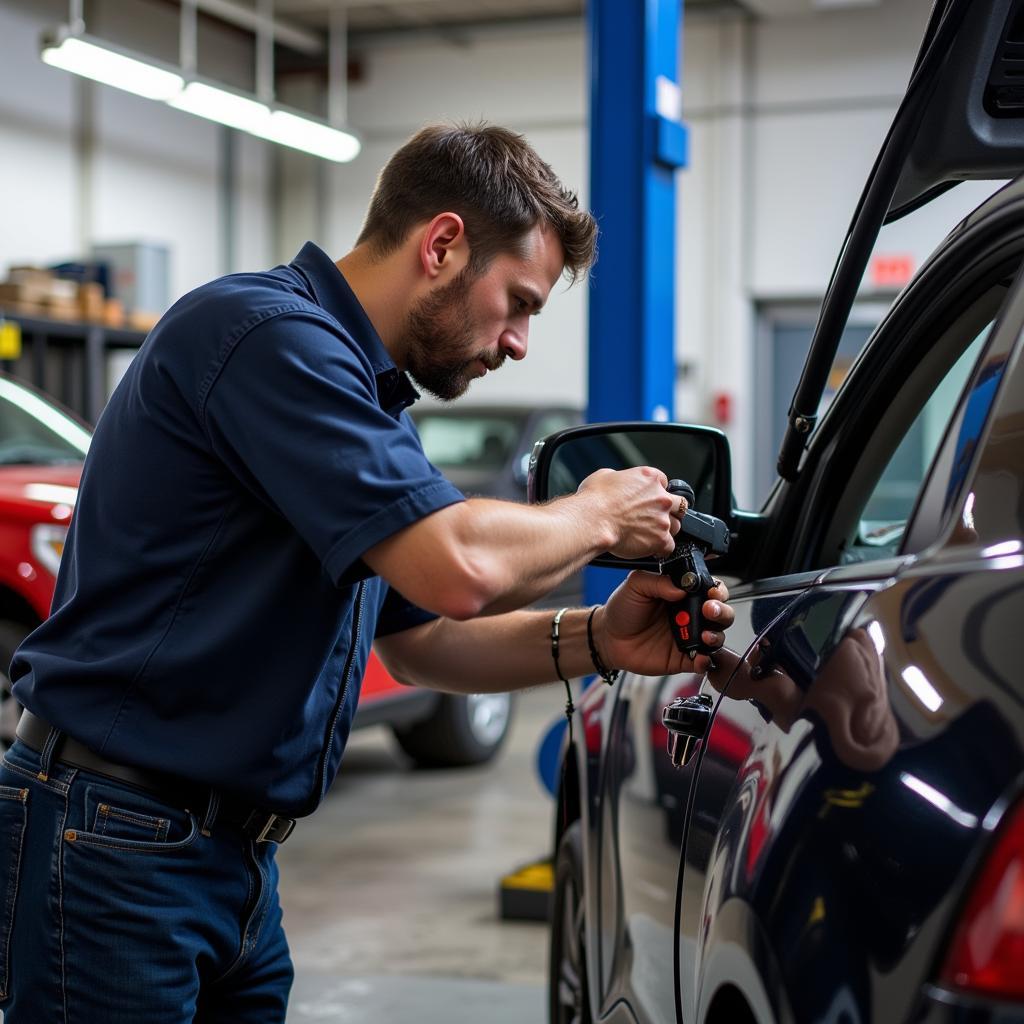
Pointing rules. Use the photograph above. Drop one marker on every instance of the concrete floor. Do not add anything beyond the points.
(390, 890)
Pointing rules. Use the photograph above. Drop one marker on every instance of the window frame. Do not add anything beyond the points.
(986, 249)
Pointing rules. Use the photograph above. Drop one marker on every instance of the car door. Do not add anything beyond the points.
(783, 891)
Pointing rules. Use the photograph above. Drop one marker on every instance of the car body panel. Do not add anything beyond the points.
(810, 862)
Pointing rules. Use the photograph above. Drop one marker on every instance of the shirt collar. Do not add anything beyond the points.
(330, 289)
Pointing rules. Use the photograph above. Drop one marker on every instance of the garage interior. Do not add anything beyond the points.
(392, 890)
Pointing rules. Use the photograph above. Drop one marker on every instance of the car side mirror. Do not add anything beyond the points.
(560, 462)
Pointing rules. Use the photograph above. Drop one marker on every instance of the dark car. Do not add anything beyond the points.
(485, 449)
(839, 836)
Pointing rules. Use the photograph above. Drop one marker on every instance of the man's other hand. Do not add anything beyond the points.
(632, 630)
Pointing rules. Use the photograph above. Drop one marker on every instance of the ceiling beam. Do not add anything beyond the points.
(303, 40)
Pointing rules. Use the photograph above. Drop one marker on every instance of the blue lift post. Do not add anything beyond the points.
(637, 143)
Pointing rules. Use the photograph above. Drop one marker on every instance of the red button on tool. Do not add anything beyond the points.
(683, 618)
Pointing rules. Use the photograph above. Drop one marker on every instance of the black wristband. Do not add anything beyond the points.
(607, 674)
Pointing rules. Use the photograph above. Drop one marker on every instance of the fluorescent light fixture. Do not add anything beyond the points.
(923, 690)
(221, 106)
(310, 136)
(102, 64)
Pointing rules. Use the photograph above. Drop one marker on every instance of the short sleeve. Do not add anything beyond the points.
(398, 614)
(294, 415)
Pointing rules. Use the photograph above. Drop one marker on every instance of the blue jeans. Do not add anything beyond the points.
(117, 908)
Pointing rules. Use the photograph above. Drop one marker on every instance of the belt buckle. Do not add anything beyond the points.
(275, 829)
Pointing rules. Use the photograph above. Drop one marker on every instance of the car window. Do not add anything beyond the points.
(887, 510)
(32, 431)
(481, 442)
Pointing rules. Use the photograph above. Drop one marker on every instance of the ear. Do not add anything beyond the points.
(443, 247)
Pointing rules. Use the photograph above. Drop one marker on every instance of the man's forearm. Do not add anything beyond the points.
(485, 557)
(529, 550)
(497, 653)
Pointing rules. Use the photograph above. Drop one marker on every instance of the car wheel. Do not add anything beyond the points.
(568, 993)
(11, 634)
(462, 730)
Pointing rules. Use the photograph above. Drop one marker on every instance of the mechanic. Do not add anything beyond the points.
(254, 512)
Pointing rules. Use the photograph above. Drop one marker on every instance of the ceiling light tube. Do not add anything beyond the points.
(101, 63)
(310, 136)
(222, 106)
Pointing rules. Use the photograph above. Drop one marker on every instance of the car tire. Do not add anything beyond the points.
(568, 992)
(11, 635)
(462, 730)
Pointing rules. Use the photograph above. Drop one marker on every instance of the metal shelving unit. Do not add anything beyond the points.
(68, 359)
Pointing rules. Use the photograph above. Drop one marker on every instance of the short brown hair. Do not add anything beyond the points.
(489, 176)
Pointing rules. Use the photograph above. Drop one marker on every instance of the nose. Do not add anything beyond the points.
(513, 344)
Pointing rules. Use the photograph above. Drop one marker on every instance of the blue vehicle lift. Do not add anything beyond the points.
(637, 143)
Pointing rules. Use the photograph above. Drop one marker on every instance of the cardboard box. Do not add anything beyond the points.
(23, 291)
(113, 313)
(91, 302)
(62, 309)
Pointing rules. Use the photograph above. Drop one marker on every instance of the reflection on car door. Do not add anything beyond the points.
(642, 821)
(868, 740)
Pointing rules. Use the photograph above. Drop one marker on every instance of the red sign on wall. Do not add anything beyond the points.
(891, 270)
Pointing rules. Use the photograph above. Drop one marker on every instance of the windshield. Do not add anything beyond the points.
(33, 432)
(479, 442)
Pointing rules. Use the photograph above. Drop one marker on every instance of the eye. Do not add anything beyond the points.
(519, 304)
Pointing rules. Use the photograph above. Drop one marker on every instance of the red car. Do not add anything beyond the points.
(42, 448)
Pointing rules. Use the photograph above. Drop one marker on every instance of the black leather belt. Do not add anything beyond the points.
(259, 825)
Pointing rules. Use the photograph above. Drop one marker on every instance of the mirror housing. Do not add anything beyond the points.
(700, 455)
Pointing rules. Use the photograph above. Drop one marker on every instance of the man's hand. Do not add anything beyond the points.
(640, 515)
(631, 630)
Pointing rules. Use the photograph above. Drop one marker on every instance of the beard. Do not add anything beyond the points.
(439, 338)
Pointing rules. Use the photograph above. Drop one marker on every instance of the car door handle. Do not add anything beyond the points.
(687, 720)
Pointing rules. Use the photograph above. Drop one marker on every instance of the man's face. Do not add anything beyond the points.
(472, 324)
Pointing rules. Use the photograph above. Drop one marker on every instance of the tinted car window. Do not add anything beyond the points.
(993, 511)
(888, 508)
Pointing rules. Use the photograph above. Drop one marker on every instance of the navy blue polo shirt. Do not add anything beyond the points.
(213, 616)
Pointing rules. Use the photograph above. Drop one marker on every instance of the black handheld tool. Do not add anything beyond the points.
(700, 536)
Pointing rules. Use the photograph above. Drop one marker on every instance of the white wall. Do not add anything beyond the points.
(533, 84)
(40, 219)
(148, 173)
